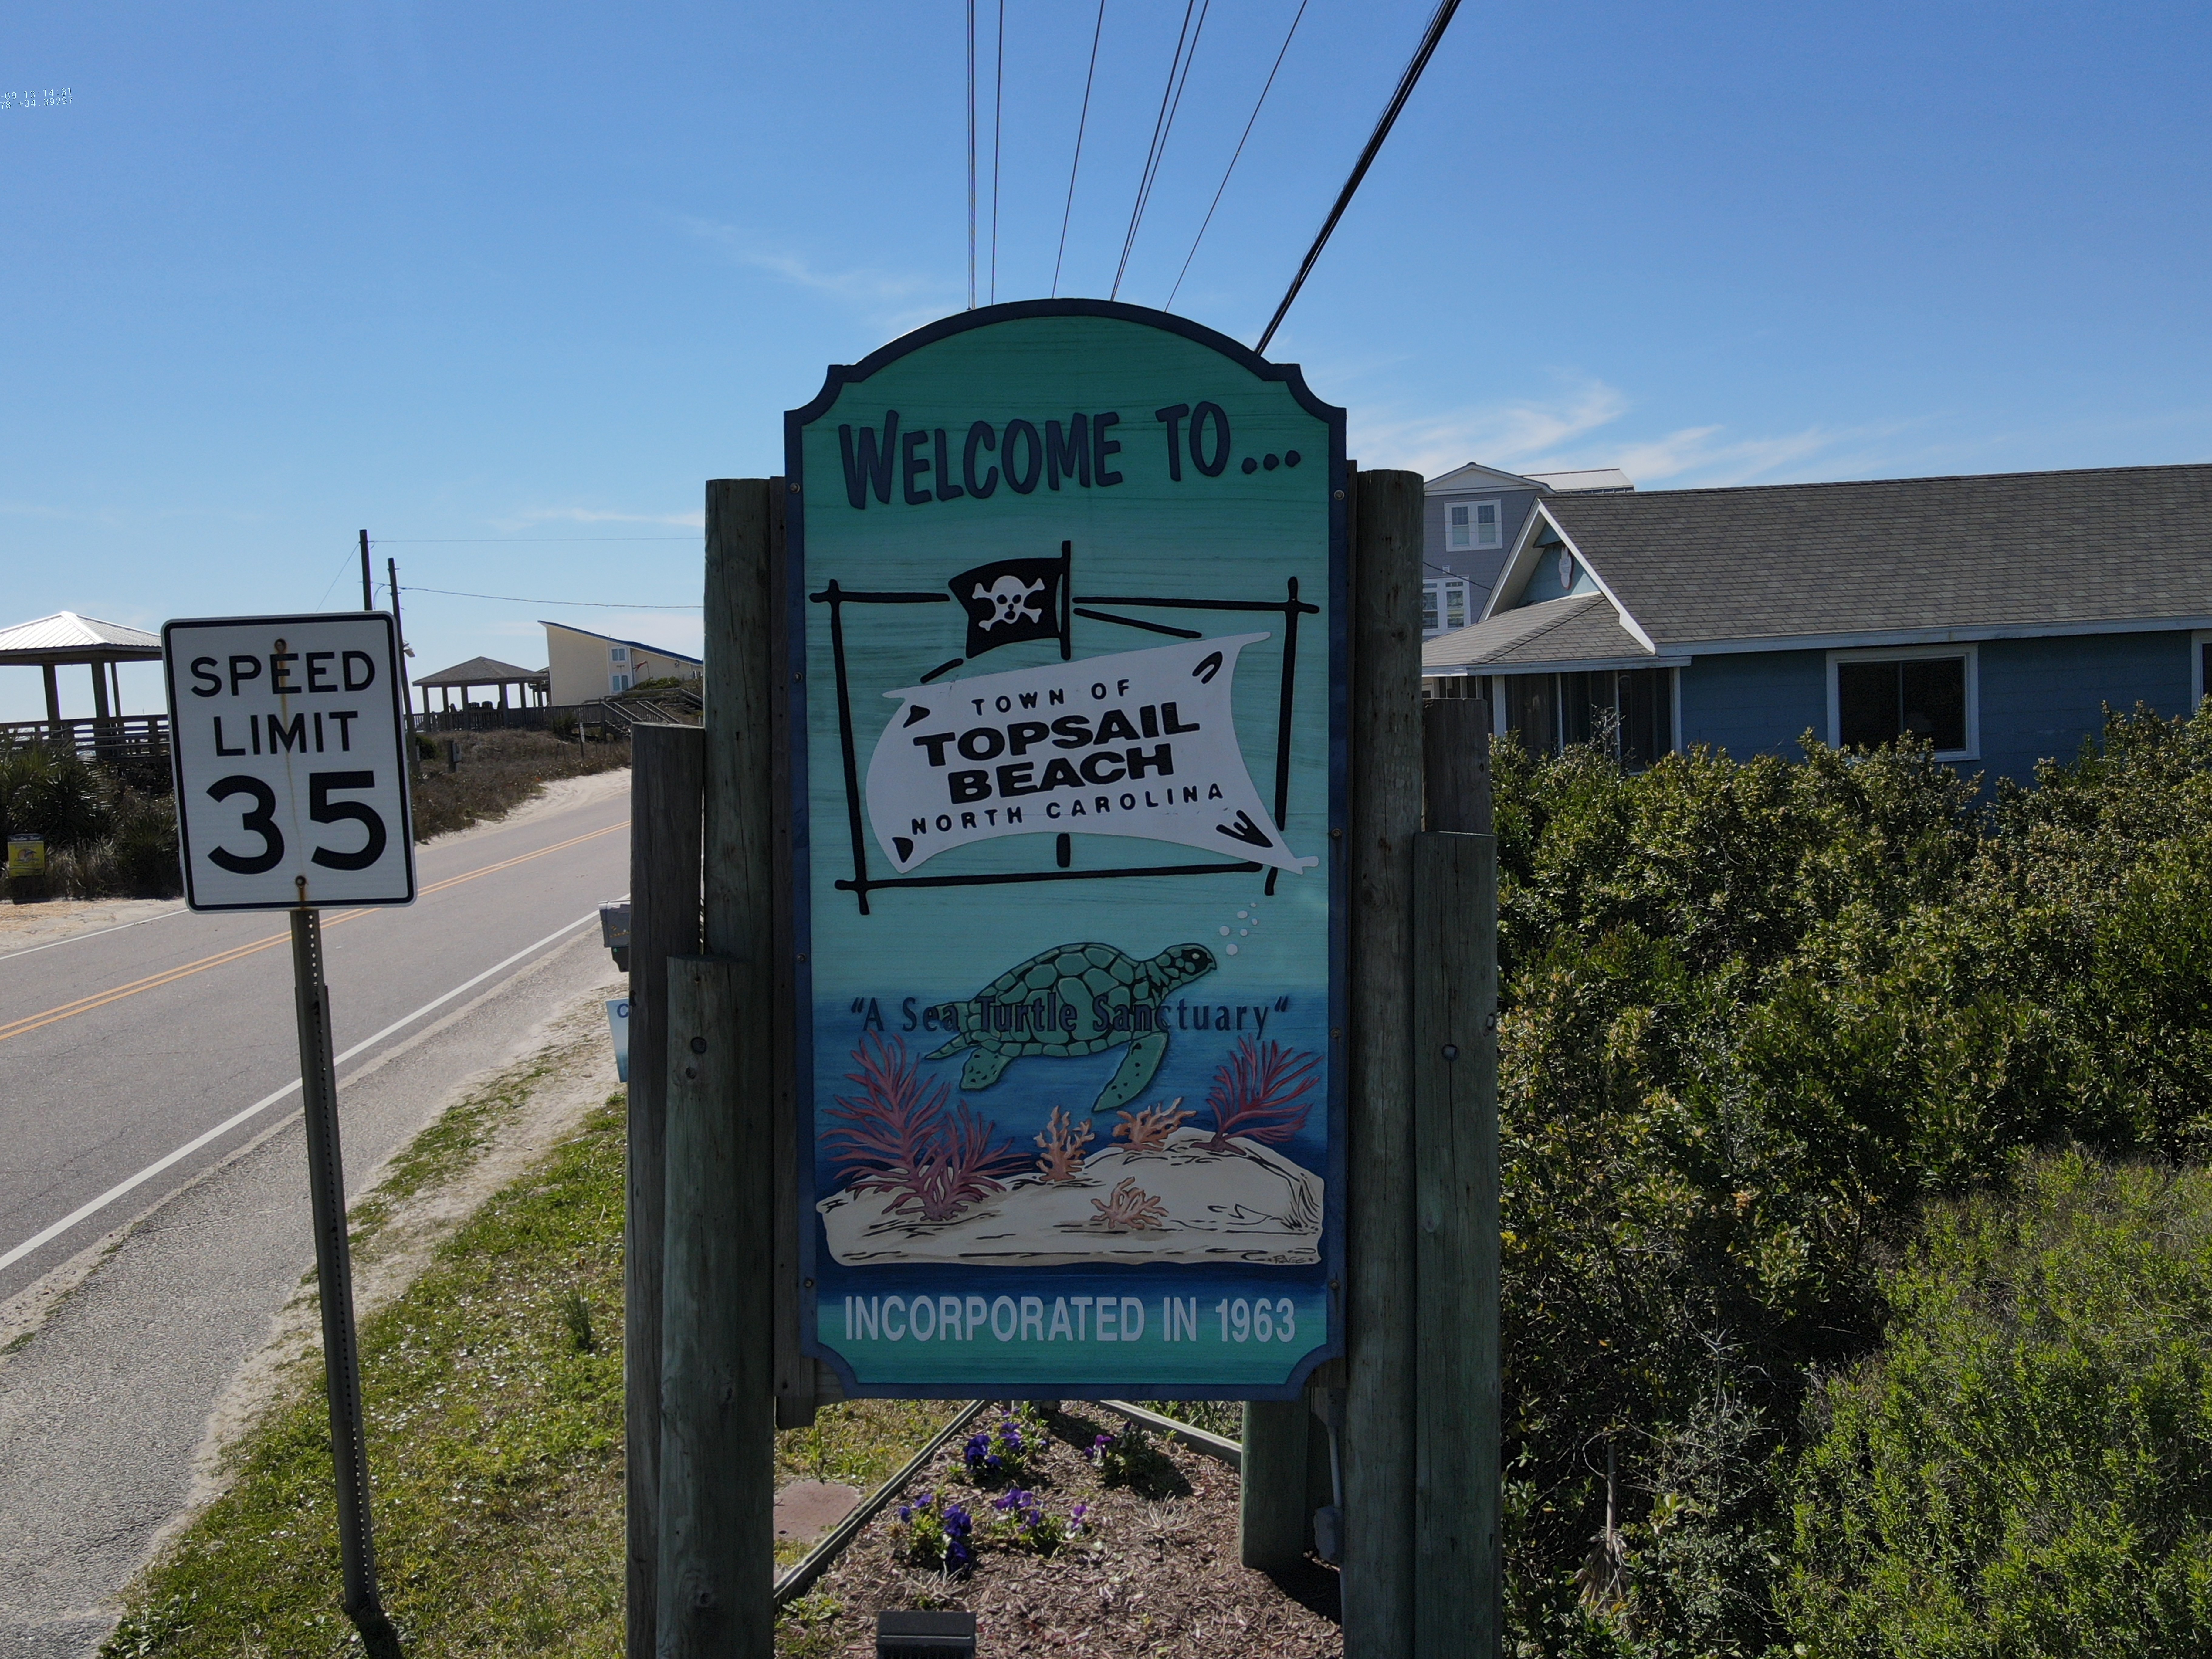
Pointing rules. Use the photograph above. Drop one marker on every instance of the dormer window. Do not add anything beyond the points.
(1470, 527)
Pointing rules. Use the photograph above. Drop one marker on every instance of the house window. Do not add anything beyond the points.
(1628, 711)
(618, 682)
(617, 653)
(1470, 525)
(1878, 697)
(1447, 602)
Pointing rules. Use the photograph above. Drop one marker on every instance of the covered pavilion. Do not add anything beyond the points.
(66, 639)
(484, 671)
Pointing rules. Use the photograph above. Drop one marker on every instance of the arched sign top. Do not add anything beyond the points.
(1065, 603)
(1290, 374)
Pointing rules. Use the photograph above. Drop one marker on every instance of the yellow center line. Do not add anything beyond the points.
(238, 953)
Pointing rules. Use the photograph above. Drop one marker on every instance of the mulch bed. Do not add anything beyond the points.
(1155, 1572)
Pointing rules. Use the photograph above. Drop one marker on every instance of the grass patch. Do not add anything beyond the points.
(498, 771)
(862, 1443)
(448, 1146)
(1223, 1417)
(494, 1444)
(492, 1391)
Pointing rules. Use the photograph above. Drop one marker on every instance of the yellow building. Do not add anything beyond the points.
(585, 666)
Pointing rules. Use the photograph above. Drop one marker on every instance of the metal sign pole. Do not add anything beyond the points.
(319, 1087)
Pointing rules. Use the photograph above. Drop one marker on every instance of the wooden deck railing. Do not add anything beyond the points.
(120, 737)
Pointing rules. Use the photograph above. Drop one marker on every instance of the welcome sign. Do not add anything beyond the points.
(1065, 600)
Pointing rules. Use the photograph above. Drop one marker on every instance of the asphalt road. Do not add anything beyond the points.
(140, 1055)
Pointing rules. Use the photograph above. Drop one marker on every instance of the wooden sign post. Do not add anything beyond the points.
(1056, 1030)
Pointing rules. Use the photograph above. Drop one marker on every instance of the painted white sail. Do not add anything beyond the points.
(1137, 743)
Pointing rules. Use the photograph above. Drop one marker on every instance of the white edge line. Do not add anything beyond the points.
(99, 933)
(261, 1105)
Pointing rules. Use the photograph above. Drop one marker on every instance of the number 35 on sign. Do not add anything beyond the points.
(288, 740)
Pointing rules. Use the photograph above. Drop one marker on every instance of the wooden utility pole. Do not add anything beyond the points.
(367, 583)
(1381, 1310)
(717, 1440)
(668, 789)
(1456, 1562)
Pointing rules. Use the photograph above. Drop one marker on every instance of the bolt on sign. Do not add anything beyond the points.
(291, 778)
(1067, 606)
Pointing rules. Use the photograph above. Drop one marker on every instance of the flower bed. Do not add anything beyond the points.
(1067, 1545)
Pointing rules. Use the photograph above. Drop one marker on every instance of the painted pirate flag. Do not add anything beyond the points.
(1139, 743)
(1010, 600)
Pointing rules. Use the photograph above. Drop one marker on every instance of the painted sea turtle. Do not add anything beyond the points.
(1079, 999)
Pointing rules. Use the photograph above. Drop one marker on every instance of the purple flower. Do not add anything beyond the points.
(906, 1511)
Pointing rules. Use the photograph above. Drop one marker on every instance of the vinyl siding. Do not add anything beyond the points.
(2041, 698)
(1481, 565)
(1758, 702)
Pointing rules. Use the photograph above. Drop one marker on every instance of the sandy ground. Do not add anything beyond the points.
(26, 927)
(556, 797)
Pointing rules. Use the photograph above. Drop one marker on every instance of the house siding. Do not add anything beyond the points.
(2041, 698)
(1480, 566)
(1757, 703)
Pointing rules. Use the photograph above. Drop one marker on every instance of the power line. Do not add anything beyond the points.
(1081, 120)
(1406, 84)
(1232, 168)
(573, 604)
(998, 120)
(971, 155)
(1171, 101)
(517, 541)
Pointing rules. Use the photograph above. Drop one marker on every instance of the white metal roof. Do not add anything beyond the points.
(64, 635)
(1581, 483)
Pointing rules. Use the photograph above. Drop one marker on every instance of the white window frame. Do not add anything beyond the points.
(2197, 641)
(617, 653)
(1439, 585)
(1497, 524)
(1972, 752)
(1474, 543)
(617, 684)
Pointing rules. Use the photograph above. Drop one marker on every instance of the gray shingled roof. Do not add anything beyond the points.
(1583, 629)
(482, 670)
(2008, 550)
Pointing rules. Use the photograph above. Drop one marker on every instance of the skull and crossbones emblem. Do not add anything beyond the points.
(1011, 601)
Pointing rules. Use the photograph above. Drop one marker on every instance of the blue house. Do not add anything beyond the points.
(1474, 514)
(1995, 616)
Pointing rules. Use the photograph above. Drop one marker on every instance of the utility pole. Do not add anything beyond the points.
(367, 587)
(406, 696)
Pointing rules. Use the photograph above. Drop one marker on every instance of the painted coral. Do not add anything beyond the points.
(1256, 1093)
(895, 1136)
(1127, 1209)
(1063, 1141)
(1149, 1129)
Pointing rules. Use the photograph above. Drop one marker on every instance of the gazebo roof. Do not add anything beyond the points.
(66, 637)
(482, 670)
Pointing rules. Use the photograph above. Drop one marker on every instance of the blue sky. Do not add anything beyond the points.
(480, 277)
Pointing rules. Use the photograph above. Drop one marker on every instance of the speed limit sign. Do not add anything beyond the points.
(288, 735)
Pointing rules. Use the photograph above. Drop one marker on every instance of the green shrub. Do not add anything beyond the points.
(1756, 1016)
(2026, 1468)
(109, 832)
